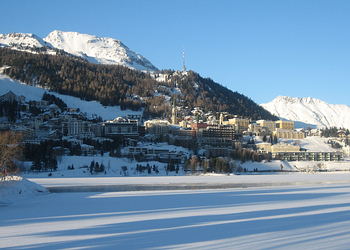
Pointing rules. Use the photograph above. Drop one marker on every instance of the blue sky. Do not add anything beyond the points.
(261, 48)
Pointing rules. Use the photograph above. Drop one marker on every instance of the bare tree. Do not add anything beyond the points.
(10, 149)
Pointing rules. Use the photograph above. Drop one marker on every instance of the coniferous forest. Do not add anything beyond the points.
(119, 85)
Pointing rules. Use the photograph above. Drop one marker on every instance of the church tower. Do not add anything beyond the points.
(174, 113)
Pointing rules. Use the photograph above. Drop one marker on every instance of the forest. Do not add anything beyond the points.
(119, 85)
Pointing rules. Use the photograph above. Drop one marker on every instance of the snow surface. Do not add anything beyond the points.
(252, 180)
(113, 167)
(101, 50)
(310, 111)
(16, 188)
(295, 217)
(313, 166)
(91, 108)
(313, 144)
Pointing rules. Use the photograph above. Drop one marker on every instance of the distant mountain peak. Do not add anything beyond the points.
(310, 110)
(103, 50)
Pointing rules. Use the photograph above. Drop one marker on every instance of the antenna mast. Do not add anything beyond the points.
(183, 62)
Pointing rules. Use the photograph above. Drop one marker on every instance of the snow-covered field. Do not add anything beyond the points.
(293, 217)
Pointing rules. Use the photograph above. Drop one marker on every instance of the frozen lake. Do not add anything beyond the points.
(312, 216)
(117, 184)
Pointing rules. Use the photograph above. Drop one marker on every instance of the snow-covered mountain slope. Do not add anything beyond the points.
(101, 50)
(310, 110)
(25, 42)
(91, 108)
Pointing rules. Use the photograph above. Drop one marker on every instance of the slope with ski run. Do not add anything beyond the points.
(303, 216)
(311, 111)
(91, 108)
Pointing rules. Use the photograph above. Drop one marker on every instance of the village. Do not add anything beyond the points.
(196, 142)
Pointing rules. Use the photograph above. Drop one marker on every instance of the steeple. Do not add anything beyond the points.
(221, 119)
(174, 112)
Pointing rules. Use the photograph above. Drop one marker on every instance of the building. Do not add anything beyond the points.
(157, 127)
(185, 124)
(217, 136)
(270, 125)
(308, 156)
(266, 147)
(12, 97)
(75, 127)
(121, 127)
(218, 131)
(289, 125)
(159, 154)
(198, 125)
(240, 124)
(284, 147)
(134, 117)
(288, 134)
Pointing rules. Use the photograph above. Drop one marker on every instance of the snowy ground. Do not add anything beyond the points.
(312, 217)
(16, 189)
(313, 144)
(113, 167)
(36, 93)
(310, 166)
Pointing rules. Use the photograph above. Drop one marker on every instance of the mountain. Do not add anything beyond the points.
(102, 50)
(25, 42)
(132, 89)
(310, 110)
(99, 50)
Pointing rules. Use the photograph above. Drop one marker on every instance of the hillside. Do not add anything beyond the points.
(119, 85)
(311, 111)
(91, 108)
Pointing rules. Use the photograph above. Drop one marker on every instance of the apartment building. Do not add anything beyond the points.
(288, 134)
(270, 125)
(288, 125)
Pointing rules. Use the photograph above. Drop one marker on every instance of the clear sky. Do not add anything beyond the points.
(261, 48)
